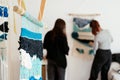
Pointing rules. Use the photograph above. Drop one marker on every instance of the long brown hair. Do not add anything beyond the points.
(94, 24)
(58, 29)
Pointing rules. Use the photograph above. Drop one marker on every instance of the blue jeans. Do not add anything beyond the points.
(54, 71)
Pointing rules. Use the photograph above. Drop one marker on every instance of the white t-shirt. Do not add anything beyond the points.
(103, 40)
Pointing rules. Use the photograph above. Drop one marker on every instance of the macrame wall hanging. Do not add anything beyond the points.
(30, 41)
(82, 35)
(4, 9)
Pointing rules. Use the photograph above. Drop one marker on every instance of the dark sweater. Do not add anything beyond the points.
(57, 49)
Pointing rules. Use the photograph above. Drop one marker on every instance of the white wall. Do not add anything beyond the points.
(78, 68)
(13, 54)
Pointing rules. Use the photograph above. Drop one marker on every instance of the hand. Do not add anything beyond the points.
(91, 44)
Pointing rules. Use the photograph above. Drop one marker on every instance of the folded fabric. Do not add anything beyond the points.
(113, 73)
(33, 47)
(81, 22)
(3, 11)
(4, 27)
(30, 35)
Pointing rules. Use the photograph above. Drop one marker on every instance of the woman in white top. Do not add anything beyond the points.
(103, 57)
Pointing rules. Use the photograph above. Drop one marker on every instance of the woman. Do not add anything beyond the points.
(102, 60)
(55, 42)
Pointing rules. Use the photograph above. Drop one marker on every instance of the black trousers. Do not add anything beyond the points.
(102, 62)
(54, 71)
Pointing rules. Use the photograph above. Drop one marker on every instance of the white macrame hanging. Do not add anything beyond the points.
(3, 56)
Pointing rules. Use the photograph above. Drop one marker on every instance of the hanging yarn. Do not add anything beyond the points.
(31, 33)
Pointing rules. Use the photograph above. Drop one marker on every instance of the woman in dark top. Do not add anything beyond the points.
(55, 42)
